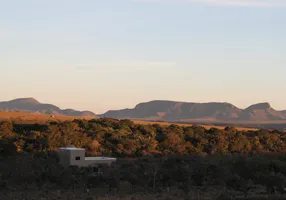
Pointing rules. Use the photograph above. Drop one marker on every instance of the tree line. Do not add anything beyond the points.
(124, 138)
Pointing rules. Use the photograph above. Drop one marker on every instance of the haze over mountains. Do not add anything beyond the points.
(160, 110)
(184, 111)
(32, 105)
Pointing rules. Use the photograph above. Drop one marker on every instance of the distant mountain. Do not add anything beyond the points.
(155, 109)
(176, 111)
(261, 112)
(160, 110)
(32, 105)
(222, 111)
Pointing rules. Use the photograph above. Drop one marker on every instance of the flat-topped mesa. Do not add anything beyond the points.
(72, 156)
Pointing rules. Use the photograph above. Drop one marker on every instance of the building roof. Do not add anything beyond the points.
(71, 148)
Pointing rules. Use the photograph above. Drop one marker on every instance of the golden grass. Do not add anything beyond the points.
(26, 117)
(186, 124)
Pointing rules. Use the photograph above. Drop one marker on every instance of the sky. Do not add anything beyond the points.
(100, 55)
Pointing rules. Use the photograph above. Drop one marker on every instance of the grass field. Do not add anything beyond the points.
(26, 117)
(186, 124)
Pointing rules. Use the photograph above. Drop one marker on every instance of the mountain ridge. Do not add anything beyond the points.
(177, 110)
(30, 104)
(163, 110)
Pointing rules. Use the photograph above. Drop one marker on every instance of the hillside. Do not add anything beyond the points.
(175, 111)
(261, 112)
(34, 106)
(161, 110)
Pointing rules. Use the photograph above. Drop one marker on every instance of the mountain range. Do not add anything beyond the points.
(32, 105)
(187, 111)
(160, 110)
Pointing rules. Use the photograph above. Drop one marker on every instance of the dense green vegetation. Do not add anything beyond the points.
(152, 158)
(123, 138)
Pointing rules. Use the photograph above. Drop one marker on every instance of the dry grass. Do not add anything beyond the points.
(26, 117)
(185, 124)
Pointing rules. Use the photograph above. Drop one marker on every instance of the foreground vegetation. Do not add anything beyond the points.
(176, 161)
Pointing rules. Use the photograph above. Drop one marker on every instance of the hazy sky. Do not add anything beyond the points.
(110, 54)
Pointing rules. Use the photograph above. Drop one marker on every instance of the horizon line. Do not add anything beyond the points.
(142, 102)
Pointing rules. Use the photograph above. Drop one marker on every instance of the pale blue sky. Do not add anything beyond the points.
(111, 54)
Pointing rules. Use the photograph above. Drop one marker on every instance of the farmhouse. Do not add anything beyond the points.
(72, 156)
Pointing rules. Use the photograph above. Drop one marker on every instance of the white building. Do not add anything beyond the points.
(72, 156)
